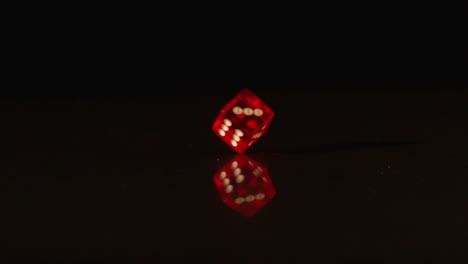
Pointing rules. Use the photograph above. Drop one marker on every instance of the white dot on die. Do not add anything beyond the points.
(234, 165)
(251, 163)
(233, 143)
(258, 112)
(237, 172)
(239, 200)
(237, 110)
(222, 175)
(259, 171)
(236, 137)
(221, 132)
(239, 132)
(240, 178)
(260, 196)
(226, 182)
(250, 198)
(224, 127)
(248, 111)
(229, 189)
(227, 122)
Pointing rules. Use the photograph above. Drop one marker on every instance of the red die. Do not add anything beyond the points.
(244, 185)
(243, 121)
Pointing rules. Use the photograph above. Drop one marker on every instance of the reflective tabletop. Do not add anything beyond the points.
(363, 177)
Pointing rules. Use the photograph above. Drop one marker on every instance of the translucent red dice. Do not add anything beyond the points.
(243, 120)
(244, 185)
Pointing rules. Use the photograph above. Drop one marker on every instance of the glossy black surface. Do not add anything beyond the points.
(362, 177)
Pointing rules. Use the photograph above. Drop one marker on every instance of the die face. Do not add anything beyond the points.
(244, 185)
(243, 121)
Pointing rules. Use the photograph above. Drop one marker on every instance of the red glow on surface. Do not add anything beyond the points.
(248, 195)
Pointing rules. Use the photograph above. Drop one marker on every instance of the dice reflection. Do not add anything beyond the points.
(244, 185)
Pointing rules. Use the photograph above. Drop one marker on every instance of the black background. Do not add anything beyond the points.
(368, 150)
